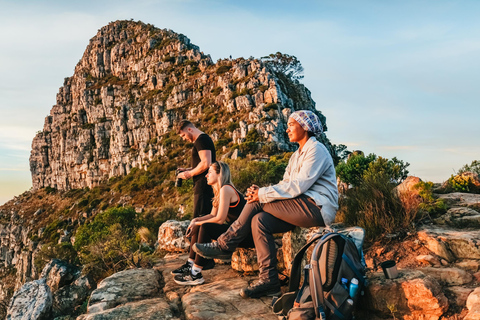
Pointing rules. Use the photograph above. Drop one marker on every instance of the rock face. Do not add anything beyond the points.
(133, 83)
(413, 296)
(33, 301)
(59, 273)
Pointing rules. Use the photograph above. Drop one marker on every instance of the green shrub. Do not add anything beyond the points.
(473, 167)
(429, 204)
(223, 69)
(357, 166)
(246, 172)
(63, 251)
(375, 206)
(216, 91)
(460, 183)
(169, 59)
(109, 243)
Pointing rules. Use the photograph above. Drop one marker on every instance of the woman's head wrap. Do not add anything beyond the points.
(308, 121)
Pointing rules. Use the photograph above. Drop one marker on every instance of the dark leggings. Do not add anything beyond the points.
(208, 232)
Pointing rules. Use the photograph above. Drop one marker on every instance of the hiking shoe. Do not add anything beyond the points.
(188, 279)
(182, 269)
(261, 289)
(210, 264)
(212, 251)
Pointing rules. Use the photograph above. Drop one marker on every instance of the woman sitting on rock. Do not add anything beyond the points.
(306, 197)
(227, 205)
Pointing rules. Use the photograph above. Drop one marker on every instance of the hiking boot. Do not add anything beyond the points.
(188, 279)
(210, 264)
(212, 251)
(261, 289)
(182, 269)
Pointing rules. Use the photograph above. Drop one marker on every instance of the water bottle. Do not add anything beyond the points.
(348, 309)
(344, 283)
(353, 287)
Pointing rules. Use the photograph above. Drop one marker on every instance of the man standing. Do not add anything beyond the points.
(203, 155)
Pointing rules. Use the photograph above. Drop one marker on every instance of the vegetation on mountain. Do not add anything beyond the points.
(285, 64)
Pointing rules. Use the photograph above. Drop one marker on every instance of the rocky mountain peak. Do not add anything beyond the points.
(133, 83)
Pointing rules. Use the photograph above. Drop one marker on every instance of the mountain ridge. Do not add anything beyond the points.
(133, 83)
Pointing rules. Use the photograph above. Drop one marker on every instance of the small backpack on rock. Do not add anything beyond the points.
(333, 281)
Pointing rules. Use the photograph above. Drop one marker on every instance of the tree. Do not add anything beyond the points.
(285, 64)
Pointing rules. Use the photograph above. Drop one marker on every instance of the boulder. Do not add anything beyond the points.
(459, 295)
(59, 273)
(473, 305)
(429, 260)
(469, 265)
(156, 308)
(33, 302)
(245, 260)
(411, 296)
(292, 242)
(462, 217)
(451, 244)
(69, 299)
(125, 286)
(171, 236)
(462, 199)
(408, 185)
(449, 276)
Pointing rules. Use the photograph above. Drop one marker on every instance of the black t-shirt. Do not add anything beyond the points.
(203, 142)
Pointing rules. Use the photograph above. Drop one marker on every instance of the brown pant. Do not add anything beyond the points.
(265, 219)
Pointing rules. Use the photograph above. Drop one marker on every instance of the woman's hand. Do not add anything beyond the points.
(190, 228)
(252, 194)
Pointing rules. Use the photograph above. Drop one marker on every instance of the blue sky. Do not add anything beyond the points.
(396, 78)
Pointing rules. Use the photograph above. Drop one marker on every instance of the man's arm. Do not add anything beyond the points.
(202, 166)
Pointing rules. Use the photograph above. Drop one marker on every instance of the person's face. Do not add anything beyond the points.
(186, 135)
(212, 176)
(295, 131)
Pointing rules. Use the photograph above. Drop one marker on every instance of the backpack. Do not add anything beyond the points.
(337, 258)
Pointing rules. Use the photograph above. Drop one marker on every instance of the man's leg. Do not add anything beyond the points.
(202, 198)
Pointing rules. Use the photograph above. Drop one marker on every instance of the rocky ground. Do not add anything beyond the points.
(439, 275)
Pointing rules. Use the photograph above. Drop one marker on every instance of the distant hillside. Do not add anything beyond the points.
(133, 83)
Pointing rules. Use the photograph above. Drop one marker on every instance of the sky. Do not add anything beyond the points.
(396, 78)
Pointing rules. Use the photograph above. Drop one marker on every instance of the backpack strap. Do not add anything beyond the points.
(295, 273)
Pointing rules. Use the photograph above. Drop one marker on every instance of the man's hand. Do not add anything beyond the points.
(252, 194)
(185, 175)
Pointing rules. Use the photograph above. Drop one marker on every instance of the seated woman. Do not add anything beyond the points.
(306, 197)
(227, 205)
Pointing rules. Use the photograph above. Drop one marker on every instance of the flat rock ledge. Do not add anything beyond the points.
(451, 244)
